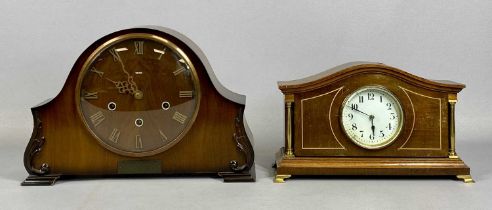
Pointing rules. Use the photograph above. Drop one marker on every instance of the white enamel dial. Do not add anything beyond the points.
(372, 117)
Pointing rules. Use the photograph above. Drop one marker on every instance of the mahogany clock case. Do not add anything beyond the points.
(316, 144)
(218, 141)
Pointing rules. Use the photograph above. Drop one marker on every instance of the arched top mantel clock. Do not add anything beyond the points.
(140, 101)
(365, 118)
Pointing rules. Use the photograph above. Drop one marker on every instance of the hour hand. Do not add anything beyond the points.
(122, 86)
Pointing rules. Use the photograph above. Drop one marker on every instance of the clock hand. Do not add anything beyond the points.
(359, 111)
(133, 86)
(372, 124)
(122, 86)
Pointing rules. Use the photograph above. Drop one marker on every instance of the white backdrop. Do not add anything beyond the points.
(251, 45)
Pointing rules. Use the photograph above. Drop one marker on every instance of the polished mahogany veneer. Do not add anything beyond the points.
(317, 144)
(140, 101)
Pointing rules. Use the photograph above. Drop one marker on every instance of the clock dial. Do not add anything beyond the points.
(372, 117)
(138, 94)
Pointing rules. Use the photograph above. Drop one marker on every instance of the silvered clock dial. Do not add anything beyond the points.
(372, 117)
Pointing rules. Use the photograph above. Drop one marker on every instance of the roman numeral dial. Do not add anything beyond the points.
(139, 94)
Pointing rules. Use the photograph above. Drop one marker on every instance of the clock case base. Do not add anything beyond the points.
(49, 180)
(292, 166)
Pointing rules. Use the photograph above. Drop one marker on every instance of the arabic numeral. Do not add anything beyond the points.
(355, 107)
(388, 105)
(351, 116)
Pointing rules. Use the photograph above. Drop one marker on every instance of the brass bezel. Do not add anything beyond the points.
(137, 35)
(400, 121)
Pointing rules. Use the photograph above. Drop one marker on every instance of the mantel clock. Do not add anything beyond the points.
(140, 101)
(365, 118)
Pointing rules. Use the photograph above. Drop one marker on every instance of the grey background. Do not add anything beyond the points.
(251, 45)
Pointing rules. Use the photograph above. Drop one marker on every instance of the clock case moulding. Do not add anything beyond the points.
(316, 145)
(219, 142)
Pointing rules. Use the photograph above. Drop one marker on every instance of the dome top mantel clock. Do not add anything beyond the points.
(140, 101)
(364, 118)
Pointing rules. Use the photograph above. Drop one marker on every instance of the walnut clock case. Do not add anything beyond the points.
(140, 101)
(365, 118)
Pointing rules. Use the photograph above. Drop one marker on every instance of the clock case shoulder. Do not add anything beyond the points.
(40, 173)
(238, 98)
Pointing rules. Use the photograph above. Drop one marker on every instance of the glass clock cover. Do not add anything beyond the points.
(372, 117)
(138, 94)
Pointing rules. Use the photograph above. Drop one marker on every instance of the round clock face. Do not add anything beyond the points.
(138, 94)
(372, 117)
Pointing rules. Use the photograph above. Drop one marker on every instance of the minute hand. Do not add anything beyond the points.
(359, 111)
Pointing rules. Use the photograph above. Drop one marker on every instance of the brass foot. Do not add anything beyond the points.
(280, 178)
(454, 156)
(465, 178)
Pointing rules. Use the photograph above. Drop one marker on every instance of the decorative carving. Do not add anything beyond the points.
(34, 147)
(243, 144)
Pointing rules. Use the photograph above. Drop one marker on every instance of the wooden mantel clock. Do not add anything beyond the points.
(369, 119)
(140, 101)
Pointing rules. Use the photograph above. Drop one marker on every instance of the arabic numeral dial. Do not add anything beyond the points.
(371, 117)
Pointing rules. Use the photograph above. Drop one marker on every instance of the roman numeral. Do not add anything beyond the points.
(115, 54)
(178, 71)
(139, 47)
(100, 73)
(164, 137)
(97, 118)
(90, 95)
(161, 52)
(181, 118)
(186, 94)
(138, 142)
(115, 135)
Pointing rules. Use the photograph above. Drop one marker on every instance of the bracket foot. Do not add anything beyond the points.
(280, 178)
(465, 178)
(34, 180)
(244, 176)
